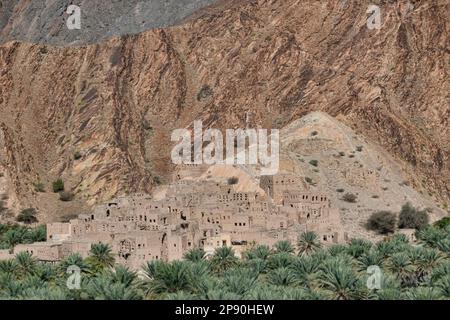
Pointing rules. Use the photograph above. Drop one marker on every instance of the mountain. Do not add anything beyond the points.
(100, 115)
(45, 21)
(335, 160)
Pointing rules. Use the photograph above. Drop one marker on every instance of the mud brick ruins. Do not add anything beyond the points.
(204, 213)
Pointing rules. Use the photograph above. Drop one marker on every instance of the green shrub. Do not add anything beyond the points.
(204, 93)
(58, 186)
(157, 180)
(340, 190)
(146, 125)
(314, 133)
(66, 196)
(411, 218)
(314, 163)
(39, 187)
(77, 155)
(349, 197)
(27, 216)
(233, 180)
(382, 222)
(442, 223)
(359, 148)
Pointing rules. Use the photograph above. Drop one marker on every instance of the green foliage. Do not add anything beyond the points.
(27, 216)
(195, 255)
(410, 217)
(314, 163)
(100, 258)
(442, 223)
(223, 259)
(157, 180)
(66, 196)
(58, 185)
(39, 187)
(349, 197)
(339, 272)
(233, 180)
(382, 222)
(13, 234)
(204, 92)
(307, 243)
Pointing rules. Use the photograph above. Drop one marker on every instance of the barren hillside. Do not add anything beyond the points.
(115, 103)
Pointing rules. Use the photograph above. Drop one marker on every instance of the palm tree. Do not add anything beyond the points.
(258, 252)
(239, 281)
(400, 264)
(46, 271)
(264, 291)
(307, 243)
(282, 277)
(337, 249)
(440, 272)
(428, 260)
(102, 288)
(123, 275)
(281, 260)
(389, 294)
(100, 258)
(167, 277)
(340, 281)
(218, 294)
(284, 246)
(195, 255)
(38, 234)
(8, 266)
(370, 258)
(181, 295)
(12, 288)
(306, 270)
(73, 259)
(358, 247)
(444, 246)
(44, 293)
(15, 236)
(258, 265)
(223, 259)
(26, 264)
(392, 245)
(290, 293)
(431, 236)
(423, 293)
(444, 287)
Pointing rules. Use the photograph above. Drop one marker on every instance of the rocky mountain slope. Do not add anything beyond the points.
(100, 116)
(45, 21)
(336, 160)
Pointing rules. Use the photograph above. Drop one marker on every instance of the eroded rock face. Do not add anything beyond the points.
(45, 21)
(264, 63)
